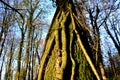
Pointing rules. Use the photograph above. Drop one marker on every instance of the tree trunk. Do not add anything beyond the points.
(67, 54)
(9, 66)
(113, 38)
(19, 55)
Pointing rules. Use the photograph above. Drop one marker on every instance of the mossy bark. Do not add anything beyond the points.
(63, 57)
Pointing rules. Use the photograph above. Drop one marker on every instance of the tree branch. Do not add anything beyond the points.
(12, 8)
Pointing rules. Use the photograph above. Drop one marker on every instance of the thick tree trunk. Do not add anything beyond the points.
(67, 54)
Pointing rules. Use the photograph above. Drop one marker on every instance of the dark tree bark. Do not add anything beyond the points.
(67, 54)
(114, 38)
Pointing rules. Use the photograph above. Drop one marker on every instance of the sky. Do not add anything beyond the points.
(47, 5)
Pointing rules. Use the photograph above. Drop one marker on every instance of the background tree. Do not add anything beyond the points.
(26, 54)
(97, 14)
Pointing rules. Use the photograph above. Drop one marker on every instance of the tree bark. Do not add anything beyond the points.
(67, 54)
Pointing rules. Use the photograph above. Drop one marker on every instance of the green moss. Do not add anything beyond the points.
(83, 70)
(50, 67)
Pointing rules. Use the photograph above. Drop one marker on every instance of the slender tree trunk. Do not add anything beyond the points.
(96, 44)
(28, 49)
(1, 33)
(9, 77)
(1, 69)
(67, 54)
(32, 55)
(2, 45)
(112, 37)
(27, 55)
(19, 55)
(113, 69)
(99, 55)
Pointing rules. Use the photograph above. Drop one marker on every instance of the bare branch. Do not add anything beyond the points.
(16, 10)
